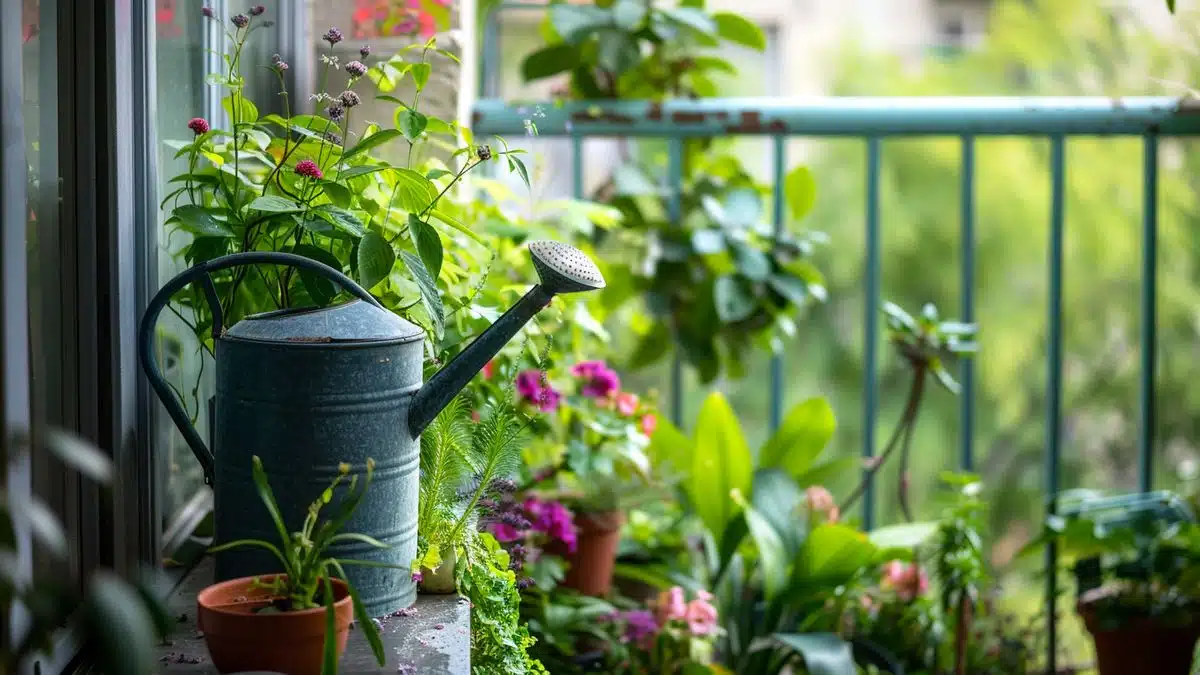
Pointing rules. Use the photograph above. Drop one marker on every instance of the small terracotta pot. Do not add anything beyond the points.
(591, 565)
(241, 639)
(441, 580)
(1142, 646)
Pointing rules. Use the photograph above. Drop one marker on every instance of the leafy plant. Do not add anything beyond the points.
(305, 582)
(500, 640)
(924, 344)
(119, 623)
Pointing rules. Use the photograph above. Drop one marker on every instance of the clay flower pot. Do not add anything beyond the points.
(591, 565)
(240, 638)
(1141, 646)
(441, 580)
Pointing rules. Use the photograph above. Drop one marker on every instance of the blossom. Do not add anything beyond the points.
(199, 125)
(335, 111)
(504, 532)
(332, 36)
(365, 51)
(553, 519)
(240, 20)
(356, 68)
(908, 580)
(417, 577)
(257, 10)
(670, 605)
(308, 169)
(599, 381)
(278, 62)
(489, 370)
(627, 403)
(640, 627)
(701, 616)
(649, 424)
(531, 386)
(349, 99)
(208, 12)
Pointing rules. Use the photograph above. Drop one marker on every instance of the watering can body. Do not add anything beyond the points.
(308, 389)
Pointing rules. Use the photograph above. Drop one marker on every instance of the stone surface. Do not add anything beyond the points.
(432, 637)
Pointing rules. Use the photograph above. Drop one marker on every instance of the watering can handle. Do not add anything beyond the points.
(203, 272)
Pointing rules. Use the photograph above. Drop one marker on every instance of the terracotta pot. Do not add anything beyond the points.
(441, 580)
(591, 565)
(1142, 646)
(241, 639)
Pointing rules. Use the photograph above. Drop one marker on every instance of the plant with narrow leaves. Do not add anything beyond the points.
(306, 581)
(925, 343)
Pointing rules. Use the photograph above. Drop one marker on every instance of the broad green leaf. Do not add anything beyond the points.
(801, 438)
(618, 52)
(319, 287)
(831, 556)
(800, 190)
(428, 243)
(421, 73)
(670, 446)
(356, 171)
(375, 259)
(337, 193)
(629, 14)
(199, 220)
(721, 463)
(373, 141)
(740, 30)
(430, 297)
(575, 22)
(732, 300)
(696, 19)
(823, 653)
(240, 109)
(742, 209)
(121, 627)
(751, 262)
(826, 472)
(414, 192)
(779, 499)
(273, 204)
(903, 535)
(772, 553)
(551, 60)
(42, 521)
(455, 223)
(411, 123)
(341, 219)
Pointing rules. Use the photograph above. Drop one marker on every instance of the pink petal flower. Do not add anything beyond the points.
(649, 424)
(701, 617)
(670, 605)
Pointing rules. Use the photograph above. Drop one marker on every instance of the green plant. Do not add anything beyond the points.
(305, 582)
(924, 344)
(119, 623)
(500, 639)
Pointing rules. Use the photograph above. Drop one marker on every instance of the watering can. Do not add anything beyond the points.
(306, 389)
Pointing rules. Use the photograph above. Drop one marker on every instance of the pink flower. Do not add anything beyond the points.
(553, 519)
(198, 125)
(909, 581)
(308, 169)
(670, 605)
(649, 424)
(701, 617)
(489, 370)
(532, 387)
(599, 381)
(627, 404)
(504, 532)
(417, 577)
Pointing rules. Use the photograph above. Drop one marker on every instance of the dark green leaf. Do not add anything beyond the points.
(800, 189)
(338, 194)
(618, 51)
(329, 651)
(356, 171)
(199, 220)
(801, 438)
(412, 123)
(317, 224)
(629, 14)
(575, 22)
(319, 287)
(421, 73)
(1171, 6)
(732, 300)
(430, 297)
(739, 30)
(375, 259)
(778, 498)
(751, 262)
(341, 219)
(515, 164)
(121, 627)
(414, 192)
(373, 141)
(434, 174)
(772, 554)
(550, 60)
(823, 653)
(651, 347)
(365, 621)
(273, 204)
(791, 288)
(428, 243)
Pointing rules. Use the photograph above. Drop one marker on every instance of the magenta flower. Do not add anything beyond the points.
(640, 627)
(532, 387)
(649, 424)
(553, 519)
(199, 125)
(599, 381)
(308, 169)
(417, 577)
(504, 533)
(356, 68)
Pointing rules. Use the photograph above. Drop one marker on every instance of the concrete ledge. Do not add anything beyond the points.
(432, 637)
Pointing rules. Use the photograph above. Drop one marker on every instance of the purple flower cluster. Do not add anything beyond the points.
(510, 521)
(597, 379)
(553, 519)
(308, 169)
(278, 62)
(640, 626)
(533, 387)
(257, 10)
(356, 69)
(507, 520)
(332, 36)
(335, 111)
(198, 125)
(240, 20)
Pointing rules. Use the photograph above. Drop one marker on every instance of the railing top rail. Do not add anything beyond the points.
(847, 116)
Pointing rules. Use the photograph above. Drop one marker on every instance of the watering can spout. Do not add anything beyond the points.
(561, 269)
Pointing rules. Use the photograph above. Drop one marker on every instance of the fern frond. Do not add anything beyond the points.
(496, 452)
(444, 448)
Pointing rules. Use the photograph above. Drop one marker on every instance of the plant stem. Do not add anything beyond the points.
(960, 637)
(911, 407)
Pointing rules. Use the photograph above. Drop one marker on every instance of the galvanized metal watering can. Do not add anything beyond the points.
(308, 388)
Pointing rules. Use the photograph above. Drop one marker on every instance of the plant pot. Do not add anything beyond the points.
(591, 565)
(441, 580)
(1141, 646)
(241, 639)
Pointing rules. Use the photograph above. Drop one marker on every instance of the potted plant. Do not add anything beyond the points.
(1136, 561)
(296, 621)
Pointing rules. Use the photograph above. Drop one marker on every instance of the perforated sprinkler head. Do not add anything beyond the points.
(564, 269)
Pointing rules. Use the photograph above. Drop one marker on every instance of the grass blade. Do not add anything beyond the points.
(366, 625)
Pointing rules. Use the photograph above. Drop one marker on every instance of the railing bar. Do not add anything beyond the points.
(675, 213)
(1149, 311)
(577, 166)
(1054, 382)
(489, 85)
(967, 295)
(871, 321)
(777, 203)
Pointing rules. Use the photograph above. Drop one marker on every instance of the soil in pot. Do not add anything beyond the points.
(245, 631)
(1141, 646)
(591, 565)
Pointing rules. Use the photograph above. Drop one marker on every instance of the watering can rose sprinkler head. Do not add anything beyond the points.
(561, 269)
